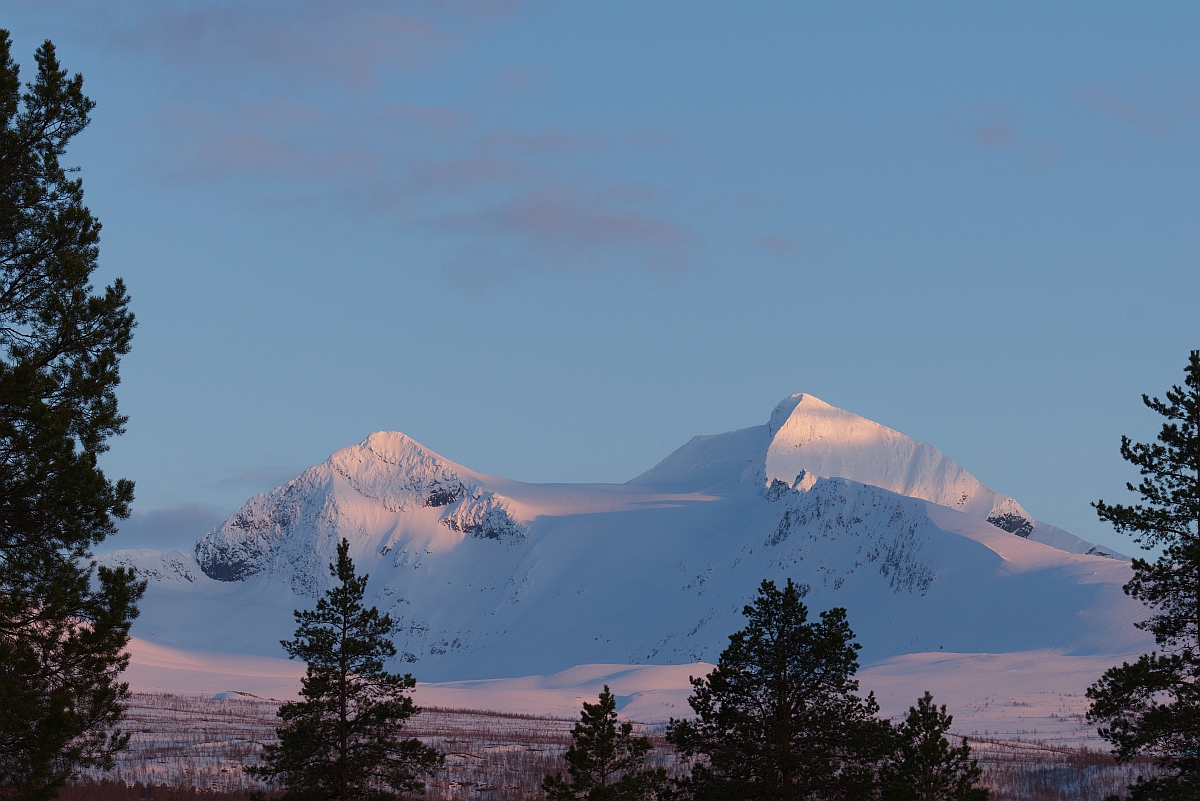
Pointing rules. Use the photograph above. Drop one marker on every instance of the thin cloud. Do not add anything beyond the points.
(1044, 154)
(455, 176)
(261, 103)
(779, 245)
(1156, 103)
(262, 140)
(995, 135)
(652, 141)
(473, 12)
(515, 78)
(785, 246)
(347, 43)
(999, 129)
(258, 478)
(551, 142)
(996, 128)
(477, 268)
(629, 194)
(574, 228)
(174, 527)
(434, 122)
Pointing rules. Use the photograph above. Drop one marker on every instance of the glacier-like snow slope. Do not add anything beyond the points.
(488, 577)
(808, 436)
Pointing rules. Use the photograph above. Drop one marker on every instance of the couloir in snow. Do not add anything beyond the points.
(489, 577)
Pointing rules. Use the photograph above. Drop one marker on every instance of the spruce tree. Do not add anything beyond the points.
(1153, 705)
(778, 718)
(925, 766)
(343, 740)
(605, 761)
(63, 624)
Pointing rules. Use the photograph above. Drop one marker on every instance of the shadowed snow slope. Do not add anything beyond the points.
(487, 577)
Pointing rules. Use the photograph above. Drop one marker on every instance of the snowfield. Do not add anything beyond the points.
(1033, 695)
(949, 586)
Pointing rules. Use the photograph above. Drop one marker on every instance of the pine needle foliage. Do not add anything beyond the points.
(1152, 707)
(925, 766)
(63, 624)
(606, 762)
(778, 718)
(342, 741)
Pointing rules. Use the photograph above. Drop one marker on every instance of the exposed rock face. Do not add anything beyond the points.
(888, 531)
(1012, 523)
(386, 477)
(171, 567)
(483, 516)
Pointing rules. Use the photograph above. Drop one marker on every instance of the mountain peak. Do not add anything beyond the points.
(803, 417)
(432, 503)
(394, 448)
(785, 408)
(809, 435)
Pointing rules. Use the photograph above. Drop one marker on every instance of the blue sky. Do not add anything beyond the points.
(553, 241)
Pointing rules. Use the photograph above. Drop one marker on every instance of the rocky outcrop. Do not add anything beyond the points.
(386, 477)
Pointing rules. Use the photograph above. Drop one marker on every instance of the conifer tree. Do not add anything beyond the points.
(925, 766)
(605, 761)
(63, 624)
(778, 718)
(343, 740)
(1153, 706)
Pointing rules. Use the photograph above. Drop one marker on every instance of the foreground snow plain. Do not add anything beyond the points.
(949, 586)
(1032, 695)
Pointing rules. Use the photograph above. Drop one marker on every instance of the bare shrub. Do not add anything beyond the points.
(182, 745)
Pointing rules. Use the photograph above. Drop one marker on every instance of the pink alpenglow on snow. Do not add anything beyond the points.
(488, 578)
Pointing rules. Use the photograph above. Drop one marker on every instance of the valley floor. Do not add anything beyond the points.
(203, 742)
(1032, 695)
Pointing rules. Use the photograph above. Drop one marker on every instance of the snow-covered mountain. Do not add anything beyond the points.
(808, 437)
(488, 577)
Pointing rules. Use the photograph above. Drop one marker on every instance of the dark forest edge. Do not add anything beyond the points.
(64, 623)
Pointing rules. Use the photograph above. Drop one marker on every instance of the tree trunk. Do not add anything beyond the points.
(343, 746)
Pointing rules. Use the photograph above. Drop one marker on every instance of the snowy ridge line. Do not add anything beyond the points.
(805, 435)
(387, 474)
(485, 577)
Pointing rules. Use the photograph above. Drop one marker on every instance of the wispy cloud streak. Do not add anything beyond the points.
(295, 43)
(1155, 103)
(999, 128)
(313, 103)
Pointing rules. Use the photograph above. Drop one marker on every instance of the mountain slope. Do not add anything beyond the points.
(807, 435)
(489, 577)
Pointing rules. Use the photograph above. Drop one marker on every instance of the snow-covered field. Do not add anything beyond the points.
(204, 742)
(1037, 695)
(525, 599)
